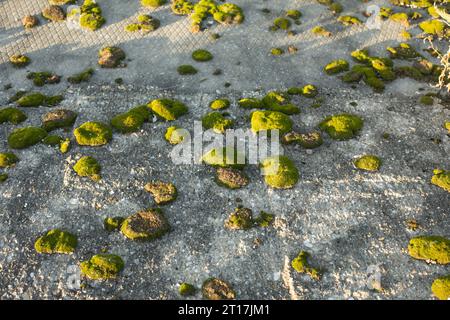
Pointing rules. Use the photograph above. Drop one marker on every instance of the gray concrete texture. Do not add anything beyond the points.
(349, 221)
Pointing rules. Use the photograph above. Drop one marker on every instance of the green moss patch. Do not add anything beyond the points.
(84, 76)
(93, 134)
(264, 219)
(174, 135)
(52, 140)
(250, 103)
(276, 51)
(42, 78)
(91, 16)
(301, 265)
(349, 20)
(113, 223)
(279, 172)
(202, 55)
(336, 66)
(240, 219)
(403, 51)
(441, 178)
(168, 109)
(153, 3)
(367, 163)
(400, 17)
(220, 104)
(56, 241)
(111, 57)
(216, 289)
(102, 267)
(12, 115)
(54, 13)
(281, 23)
(88, 167)
(64, 146)
(8, 159)
(145, 225)
(426, 100)
(186, 69)
(128, 122)
(3, 177)
(342, 126)
(61, 118)
(321, 31)
(186, 289)
(227, 157)
(19, 60)
(162, 192)
(216, 121)
(270, 120)
(25, 137)
(435, 27)
(36, 99)
(146, 23)
(231, 178)
(433, 248)
(441, 288)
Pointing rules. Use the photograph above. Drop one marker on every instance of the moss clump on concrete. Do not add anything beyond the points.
(168, 109)
(293, 14)
(64, 146)
(54, 13)
(400, 17)
(441, 288)
(276, 51)
(202, 55)
(281, 23)
(309, 140)
(186, 289)
(409, 72)
(424, 66)
(216, 121)
(182, 7)
(342, 126)
(56, 241)
(264, 219)
(12, 115)
(52, 140)
(433, 248)
(270, 120)
(146, 23)
(321, 31)
(250, 103)
(231, 178)
(91, 16)
(25, 137)
(301, 265)
(349, 20)
(336, 8)
(8, 159)
(186, 69)
(240, 219)
(61, 2)
(93, 134)
(435, 28)
(128, 122)
(174, 135)
(42, 78)
(219, 104)
(30, 22)
(367, 163)
(447, 126)
(88, 167)
(336, 66)
(279, 172)
(162, 192)
(216, 289)
(403, 51)
(227, 157)
(111, 57)
(441, 178)
(153, 3)
(145, 225)
(102, 267)
(84, 76)
(19, 60)
(3, 177)
(36, 99)
(56, 119)
(426, 100)
(112, 223)
(310, 91)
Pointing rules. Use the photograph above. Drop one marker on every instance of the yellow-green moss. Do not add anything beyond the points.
(250, 103)
(145, 225)
(349, 20)
(433, 248)
(264, 219)
(64, 146)
(336, 66)
(441, 178)
(293, 14)
(342, 126)
(102, 267)
(162, 192)
(25, 137)
(84, 76)
(216, 121)
(112, 223)
(282, 23)
(367, 163)
(435, 27)
(88, 167)
(127, 122)
(441, 288)
(153, 3)
(301, 265)
(447, 126)
(270, 120)
(91, 16)
(52, 140)
(403, 51)
(146, 23)
(19, 60)
(426, 100)
(12, 115)
(276, 51)
(186, 289)
(321, 31)
(174, 135)
(401, 18)
(168, 109)
(56, 241)
(202, 55)
(231, 178)
(279, 172)
(277, 101)
(336, 8)
(8, 159)
(219, 104)
(186, 69)
(182, 7)
(93, 134)
(36, 99)
(240, 219)
(224, 157)
(42, 78)
(216, 289)
(310, 91)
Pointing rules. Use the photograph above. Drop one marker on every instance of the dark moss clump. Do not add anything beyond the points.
(216, 121)
(264, 219)
(168, 109)
(367, 163)
(145, 225)
(301, 265)
(88, 167)
(240, 219)
(403, 51)
(250, 103)
(8, 159)
(52, 140)
(309, 140)
(61, 118)
(216, 289)
(12, 115)
(441, 288)
(3, 177)
(336, 66)
(84, 76)
(202, 55)
(342, 126)
(102, 266)
(279, 172)
(36, 99)
(111, 57)
(162, 192)
(433, 248)
(441, 178)
(19, 60)
(219, 104)
(93, 134)
(91, 16)
(113, 223)
(30, 22)
(54, 13)
(231, 178)
(42, 78)
(56, 241)
(146, 23)
(186, 289)
(25, 137)
(426, 100)
(186, 69)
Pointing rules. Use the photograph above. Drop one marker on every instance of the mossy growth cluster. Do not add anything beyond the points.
(202, 55)
(435, 27)
(153, 3)
(113, 223)
(367, 162)
(3, 177)
(301, 265)
(441, 288)
(146, 23)
(270, 120)
(132, 120)
(175, 135)
(88, 167)
(54, 13)
(19, 60)
(231, 178)
(83, 76)
(168, 109)
(186, 69)
(145, 225)
(102, 267)
(349, 20)
(333, 6)
(186, 289)
(52, 140)
(224, 13)
(25, 137)
(240, 219)
(220, 104)
(12, 115)
(285, 22)
(321, 31)
(217, 289)
(441, 178)
(56, 241)
(60, 118)
(42, 78)
(91, 16)
(336, 66)
(279, 172)
(227, 157)
(93, 134)
(36, 99)
(111, 57)
(308, 91)
(273, 100)
(162, 192)
(432, 248)
(8, 159)
(342, 126)
(216, 121)
(264, 219)
(310, 140)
